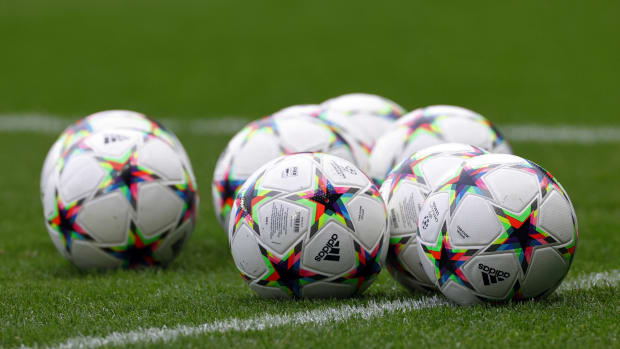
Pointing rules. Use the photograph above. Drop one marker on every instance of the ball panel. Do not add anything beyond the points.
(113, 143)
(546, 270)
(459, 294)
(322, 289)
(79, 178)
(159, 209)
(269, 292)
(330, 251)
(556, 217)
(295, 174)
(174, 242)
(410, 257)
(492, 275)
(281, 223)
(160, 157)
(474, 223)
(57, 241)
(368, 217)
(513, 189)
(432, 216)
(246, 253)
(476, 133)
(343, 172)
(261, 148)
(438, 168)
(304, 134)
(106, 219)
(427, 265)
(85, 255)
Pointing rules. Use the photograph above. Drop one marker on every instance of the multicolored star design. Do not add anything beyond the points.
(448, 260)
(408, 170)
(468, 180)
(422, 124)
(286, 272)
(124, 174)
(188, 193)
(227, 188)
(248, 200)
(521, 234)
(328, 202)
(367, 266)
(396, 247)
(64, 222)
(138, 250)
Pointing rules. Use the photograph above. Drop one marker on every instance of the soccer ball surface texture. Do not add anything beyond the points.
(404, 192)
(500, 229)
(120, 198)
(429, 126)
(104, 120)
(340, 122)
(266, 139)
(373, 114)
(308, 225)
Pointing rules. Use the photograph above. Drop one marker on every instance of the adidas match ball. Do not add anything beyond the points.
(340, 123)
(120, 198)
(502, 228)
(308, 225)
(105, 120)
(268, 138)
(404, 192)
(373, 114)
(429, 126)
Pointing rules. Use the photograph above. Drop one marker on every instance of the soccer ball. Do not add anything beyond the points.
(502, 228)
(404, 192)
(373, 114)
(100, 121)
(120, 198)
(429, 126)
(339, 122)
(268, 138)
(308, 225)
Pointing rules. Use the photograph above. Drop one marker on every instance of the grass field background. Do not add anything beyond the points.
(520, 63)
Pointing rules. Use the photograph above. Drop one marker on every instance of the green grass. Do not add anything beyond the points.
(525, 62)
(46, 300)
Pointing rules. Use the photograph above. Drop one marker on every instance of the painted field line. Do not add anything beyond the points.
(40, 123)
(314, 317)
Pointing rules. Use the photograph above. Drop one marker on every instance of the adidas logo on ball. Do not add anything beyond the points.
(491, 275)
(331, 250)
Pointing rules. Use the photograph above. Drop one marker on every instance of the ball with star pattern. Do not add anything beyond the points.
(289, 132)
(120, 198)
(404, 192)
(430, 126)
(373, 114)
(100, 121)
(501, 228)
(308, 225)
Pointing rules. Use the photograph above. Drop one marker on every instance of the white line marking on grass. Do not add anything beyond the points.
(561, 134)
(532, 133)
(259, 323)
(316, 317)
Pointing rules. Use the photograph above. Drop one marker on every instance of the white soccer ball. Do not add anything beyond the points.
(404, 192)
(268, 138)
(340, 123)
(373, 114)
(502, 228)
(430, 126)
(308, 225)
(120, 198)
(105, 120)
